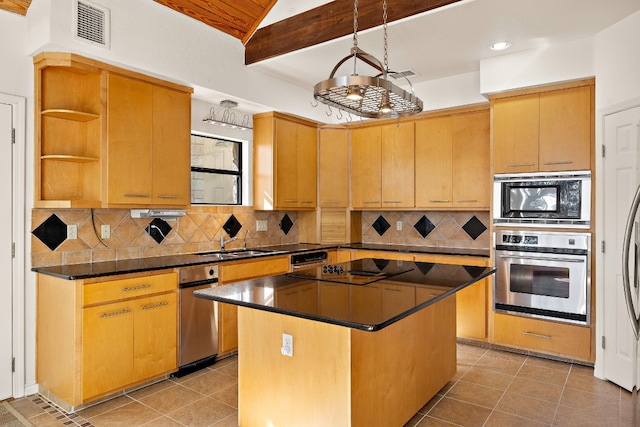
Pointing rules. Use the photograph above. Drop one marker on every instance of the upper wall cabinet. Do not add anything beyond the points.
(148, 125)
(452, 161)
(284, 162)
(334, 168)
(100, 128)
(547, 130)
(382, 166)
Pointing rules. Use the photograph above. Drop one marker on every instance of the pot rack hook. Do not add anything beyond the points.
(330, 112)
(339, 115)
(312, 104)
(349, 118)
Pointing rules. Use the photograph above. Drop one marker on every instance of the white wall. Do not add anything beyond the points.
(556, 63)
(448, 92)
(617, 62)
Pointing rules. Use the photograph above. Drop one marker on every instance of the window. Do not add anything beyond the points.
(216, 171)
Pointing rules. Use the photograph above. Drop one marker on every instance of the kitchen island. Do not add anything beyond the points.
(368, 342)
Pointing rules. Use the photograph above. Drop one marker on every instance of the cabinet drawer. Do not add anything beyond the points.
(112, 290)
(251, 269)
(564, 340)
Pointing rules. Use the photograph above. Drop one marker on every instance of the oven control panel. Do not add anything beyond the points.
(515, 239)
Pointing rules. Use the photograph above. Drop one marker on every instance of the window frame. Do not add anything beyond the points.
(214, 171)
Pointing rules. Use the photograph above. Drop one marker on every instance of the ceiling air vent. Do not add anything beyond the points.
(92, 23)
(402, 74)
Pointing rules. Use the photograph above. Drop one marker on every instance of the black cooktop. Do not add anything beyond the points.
(359, 272)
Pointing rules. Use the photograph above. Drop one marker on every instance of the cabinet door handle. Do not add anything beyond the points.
(150, 306)
(306, 201)
(368, 202)
(531, 334)
(137, 195)
(135, 288)
(290, 201)
(559, 162)
(392, 201)
(515, 165)
(332, 202)
(439, 201)
(168, 196)
(466, 201)
(393, 290)
(116, 313)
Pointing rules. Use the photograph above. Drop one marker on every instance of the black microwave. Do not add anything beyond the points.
(561, 199)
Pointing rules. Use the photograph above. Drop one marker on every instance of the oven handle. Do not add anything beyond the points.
(542, 258)
(308, 264)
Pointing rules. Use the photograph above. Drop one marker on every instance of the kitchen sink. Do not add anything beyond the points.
(240, 253)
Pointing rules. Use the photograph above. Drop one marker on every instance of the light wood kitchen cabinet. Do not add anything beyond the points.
(382, 166)
(558, 339)
(93, 135)
(285, 162)
(148, 126)
(68, 131)
(452, 161)
(236, 271)
(547, 130)
(366, 172)
(97, 337)
(334, 168)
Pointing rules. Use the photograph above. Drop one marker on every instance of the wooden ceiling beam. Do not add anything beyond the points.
(16, 6)
(328, 22)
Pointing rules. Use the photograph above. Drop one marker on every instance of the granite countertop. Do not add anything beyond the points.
(111, 268)
(348, 297)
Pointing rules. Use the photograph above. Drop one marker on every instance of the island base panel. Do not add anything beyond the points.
(340, 376)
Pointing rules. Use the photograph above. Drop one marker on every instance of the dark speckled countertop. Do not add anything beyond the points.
(351, 305)
(111, 268)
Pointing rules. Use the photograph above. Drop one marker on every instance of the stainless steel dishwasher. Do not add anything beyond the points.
(198, 322)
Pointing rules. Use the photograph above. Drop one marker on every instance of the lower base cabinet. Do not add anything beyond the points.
(99, 337)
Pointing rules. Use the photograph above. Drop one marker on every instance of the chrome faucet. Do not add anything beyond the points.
(224, 242)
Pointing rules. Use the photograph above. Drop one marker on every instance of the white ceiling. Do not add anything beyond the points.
(450, 40)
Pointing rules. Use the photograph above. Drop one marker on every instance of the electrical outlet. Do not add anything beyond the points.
(261, 225)
(105, 231)
(287, 345)
(399, 225)
(72, 231)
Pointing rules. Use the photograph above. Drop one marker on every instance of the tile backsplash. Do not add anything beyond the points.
(432, 228)
(198, 231)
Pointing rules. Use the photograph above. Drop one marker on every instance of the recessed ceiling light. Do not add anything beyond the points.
(500, 45)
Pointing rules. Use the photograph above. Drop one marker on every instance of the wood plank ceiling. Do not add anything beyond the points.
(241, 18)
(16, 6)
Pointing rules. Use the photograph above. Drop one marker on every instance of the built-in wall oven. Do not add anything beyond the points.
(543, 274)
(558, 199)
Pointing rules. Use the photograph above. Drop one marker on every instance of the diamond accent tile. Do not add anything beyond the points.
(424, 267)
(474, 227)
(158, 229)
(52, 232)
(424, 226)
(381, 225)
(232, 226)
(285, 224)
(473, 270)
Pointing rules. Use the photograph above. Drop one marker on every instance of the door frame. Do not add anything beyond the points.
(19, 239)
(599, 232)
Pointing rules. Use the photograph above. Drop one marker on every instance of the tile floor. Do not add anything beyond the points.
(491, 388)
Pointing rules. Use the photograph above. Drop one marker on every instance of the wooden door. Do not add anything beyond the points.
(227, 328)
(107, 348)
(565, 129)
(129, 141)
(433, 162)
(398, 151)
(307, 176)
(286, 164)
(471, 311)
(366, 163)
(155, 332)
(471, 167)
(516, 134)
(334, 168)
(171, 147)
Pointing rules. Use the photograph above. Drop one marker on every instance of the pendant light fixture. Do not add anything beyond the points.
(372, 97)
